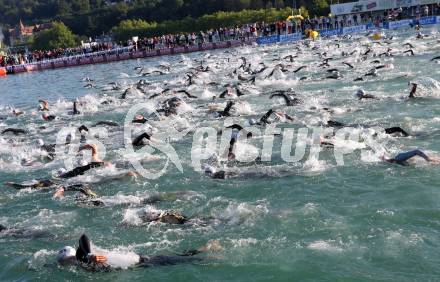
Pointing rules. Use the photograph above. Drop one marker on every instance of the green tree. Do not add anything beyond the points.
(129, 28)
(59, 36)
(63, 7)
(80, 5)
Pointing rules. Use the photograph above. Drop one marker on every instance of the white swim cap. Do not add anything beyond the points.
(61, 171)
(66, 255)
(360, 93)
(40, 142)
(208, 169)
(252, 121)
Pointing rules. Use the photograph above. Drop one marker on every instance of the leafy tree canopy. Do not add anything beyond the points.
(93, 17)
(59, 36)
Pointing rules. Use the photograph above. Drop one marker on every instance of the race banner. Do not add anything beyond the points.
(290, 37)
(428, 20)
(354, 29)
(267, 39)
(330, 32)
(399, 24)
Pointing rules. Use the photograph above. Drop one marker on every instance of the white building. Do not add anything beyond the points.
(365, 6)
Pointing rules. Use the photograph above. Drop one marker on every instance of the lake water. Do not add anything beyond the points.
(305, 221)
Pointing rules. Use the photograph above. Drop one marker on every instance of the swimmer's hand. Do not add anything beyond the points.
(98, 259)
(434, 161)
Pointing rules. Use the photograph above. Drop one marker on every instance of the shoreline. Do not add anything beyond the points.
(91, 59)
(109, 58)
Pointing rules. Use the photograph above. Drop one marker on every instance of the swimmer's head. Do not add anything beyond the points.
(252, 121)
(61, 171)
(40, 142)
(70, 138)
(26, 162)
(139, 117)
(66, 255)
(360, 93)
(83, 131)
(208, 169)
(2, 227)
(87, 191)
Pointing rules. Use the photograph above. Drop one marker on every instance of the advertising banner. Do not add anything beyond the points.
(191, 48)
(179, 49)
(290, 37)
(354, 29)
(330, 32)
(267, 39)
(428, 20)
(373, 26)
(399, 24)
(362, 6)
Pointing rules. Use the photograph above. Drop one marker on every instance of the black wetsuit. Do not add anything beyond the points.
(138, 141)
(22, 233)
(15, 131)
(390, 130)
(402, 158)
(148, 261)
(39, 184)
(86, 195)
(81, 169)
(83, 253)
(169, 217)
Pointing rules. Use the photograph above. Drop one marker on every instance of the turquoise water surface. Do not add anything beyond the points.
(313, 220)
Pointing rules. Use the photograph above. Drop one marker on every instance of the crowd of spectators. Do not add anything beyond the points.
(245, 32)
(22, 57)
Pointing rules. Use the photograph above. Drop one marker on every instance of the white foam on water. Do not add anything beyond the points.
(325, 246)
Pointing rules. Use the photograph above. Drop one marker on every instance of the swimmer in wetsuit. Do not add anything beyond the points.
(360, 94)
(140, 140)
(48, 117)
(75, 109)
(85, 194)
(23, 233)
(391, 131)
(34, 184)
(168, 216)
(402, 158)
(81, 169)
(413, 90)
(96, 162)
(85, 257)
(44, 105)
